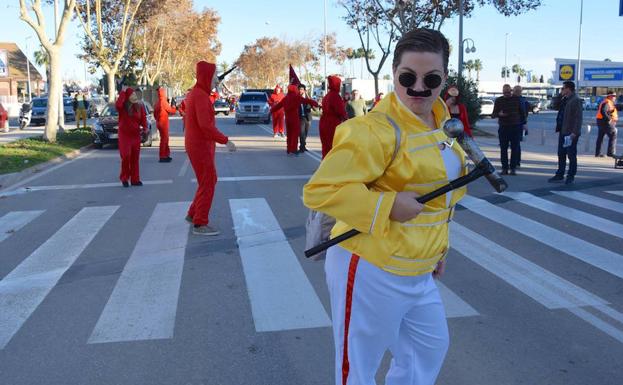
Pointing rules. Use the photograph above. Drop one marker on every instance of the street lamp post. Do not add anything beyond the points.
(325, 47)
(28, 70)
(506, 54)
(460, 66)
(579, 71)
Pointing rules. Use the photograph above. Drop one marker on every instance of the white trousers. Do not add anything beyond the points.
(376, 311)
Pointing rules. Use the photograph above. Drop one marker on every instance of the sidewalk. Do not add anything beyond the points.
(15, 133)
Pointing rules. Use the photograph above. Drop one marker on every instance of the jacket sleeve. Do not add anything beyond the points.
(339, 187)
(338, 109)
(277, 106)
(573, 117)
(206, 121)
(120, 101)
(310, 102)
(496, 108)
(169, 109)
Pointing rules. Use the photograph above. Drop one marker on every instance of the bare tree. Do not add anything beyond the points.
(108, 28)
(53, 49)
(366, 18)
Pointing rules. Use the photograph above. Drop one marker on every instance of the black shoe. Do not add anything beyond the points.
(513, 171)
(139, 183)
(556, 178)
(125, 183)
(599, 156)
(611, 155)
(569, 179)
(165, 160)
(504, 171)
(303, 149)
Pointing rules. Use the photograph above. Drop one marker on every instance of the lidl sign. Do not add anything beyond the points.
(566, 72)
(603, 74)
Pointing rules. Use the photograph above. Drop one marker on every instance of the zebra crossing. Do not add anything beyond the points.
(143, 303)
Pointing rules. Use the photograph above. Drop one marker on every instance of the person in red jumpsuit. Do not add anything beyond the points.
(457, 109)
(279, 114)
(200, 138)
(333, 113)
(4, 116)
(132, 123)
(291, 104)
(162, 109)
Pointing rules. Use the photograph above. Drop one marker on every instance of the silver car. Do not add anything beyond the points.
(253, 106)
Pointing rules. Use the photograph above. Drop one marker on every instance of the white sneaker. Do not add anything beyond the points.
(205, 230)
(276, 136)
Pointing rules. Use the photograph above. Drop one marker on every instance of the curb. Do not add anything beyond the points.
(8, 180)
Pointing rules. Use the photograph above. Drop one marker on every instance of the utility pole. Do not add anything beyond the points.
(460, 66)
(61, 109)
(325, 47)
(28, 70)
(579, 70)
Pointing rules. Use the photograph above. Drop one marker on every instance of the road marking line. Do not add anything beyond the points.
(619, 193)
(281, 296)
(184, 167)
(594, 255)
(45, 172)
(311, 153)
(260, 177)
(455, 306)
(592, 200)
(571, 214)
(15, 220)
(598, 323)
(24, 190)
(143, 303)
(24, 288)
(539, 284)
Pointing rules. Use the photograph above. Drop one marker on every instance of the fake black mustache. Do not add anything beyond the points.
(419, 94)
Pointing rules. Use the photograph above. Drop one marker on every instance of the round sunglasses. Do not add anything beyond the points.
(408, 79)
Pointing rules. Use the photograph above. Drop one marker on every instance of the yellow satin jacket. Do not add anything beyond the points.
(357, 183)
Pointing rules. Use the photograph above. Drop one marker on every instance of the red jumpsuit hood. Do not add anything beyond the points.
(162, 93)
(293, 88)
(334, 83)
(205, 73)
(277, 88)
(128, 92)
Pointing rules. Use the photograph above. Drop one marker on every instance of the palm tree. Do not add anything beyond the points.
(477, 68)
(469, 66)
(42, 59)
(516, 69)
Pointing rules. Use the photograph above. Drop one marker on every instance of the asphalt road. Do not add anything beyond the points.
(106, 285)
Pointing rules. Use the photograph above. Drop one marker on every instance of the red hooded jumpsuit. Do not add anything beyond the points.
(291, 104)
(4, 116)
(201, 136)
(333, 113)
(131, 119)
(161, 113)
(279, 114)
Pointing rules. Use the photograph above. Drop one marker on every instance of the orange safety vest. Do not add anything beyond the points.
(614, 115)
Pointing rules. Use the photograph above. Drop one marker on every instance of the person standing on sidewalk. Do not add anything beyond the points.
(607, 117)
(569, 131)
(200, 140)
(306, 118)
(381, 283)
(507, 109)
(81, 105)
(525, 109)
(278, 115)
(356, 106)
(333, 113)
(162, 109)
(132, 125)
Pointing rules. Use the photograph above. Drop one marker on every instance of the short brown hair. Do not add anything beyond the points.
(422, 40)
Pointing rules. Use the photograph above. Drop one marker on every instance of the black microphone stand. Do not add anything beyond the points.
(482, 168)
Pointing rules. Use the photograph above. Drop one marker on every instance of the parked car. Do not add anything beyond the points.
(535, 104)
(253, 106)
(221, 105)
(105, 129)
(40, 106)
(96, 106)
(486, 107)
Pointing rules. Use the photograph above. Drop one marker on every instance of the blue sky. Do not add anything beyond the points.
(535, 39)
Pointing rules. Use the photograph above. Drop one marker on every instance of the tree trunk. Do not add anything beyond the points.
(112, 89)
(376, 83)
(54, 91)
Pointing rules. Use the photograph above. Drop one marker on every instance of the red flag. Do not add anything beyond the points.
(293, 78)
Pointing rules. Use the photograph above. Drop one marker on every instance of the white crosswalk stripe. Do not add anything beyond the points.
(143, 304)
(571, 214)
(592, 200)
(15, 220)
(281, 296)
(24, 288)
(597, 256)
(619, 193)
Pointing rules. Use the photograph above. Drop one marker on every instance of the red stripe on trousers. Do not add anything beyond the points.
(352, 269)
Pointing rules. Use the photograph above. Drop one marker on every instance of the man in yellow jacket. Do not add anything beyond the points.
(381, 285)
